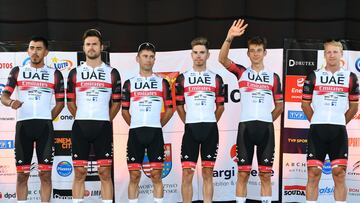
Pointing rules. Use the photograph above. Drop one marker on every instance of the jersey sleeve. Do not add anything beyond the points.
(220, 90)
(179, 90)
(277, 91)
(167, 94)
(308, 87)
(11, 81)
(116, 85)
(236, 69)
(353, 88)
(125, 95)
(71, 85)
(59, 86)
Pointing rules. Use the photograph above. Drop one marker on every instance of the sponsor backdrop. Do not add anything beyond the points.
(300, 58)
(169, 64)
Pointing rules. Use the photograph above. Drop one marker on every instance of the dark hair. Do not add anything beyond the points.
(200, 41)
(257, 40)
(92, 33)
(146, 46)
(40, 39)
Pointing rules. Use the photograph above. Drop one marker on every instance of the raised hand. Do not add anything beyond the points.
(237, 29)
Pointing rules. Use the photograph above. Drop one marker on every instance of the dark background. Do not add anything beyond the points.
(171, 24)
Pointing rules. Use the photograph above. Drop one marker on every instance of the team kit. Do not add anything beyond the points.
(95, 94)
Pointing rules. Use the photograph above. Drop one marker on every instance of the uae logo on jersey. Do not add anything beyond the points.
(171, 78)
(167, 162)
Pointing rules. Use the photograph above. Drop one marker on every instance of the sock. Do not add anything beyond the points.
(310, 201)
(45, 202)
(21, 201)
(265, 199)
(158, 200)
(340, 201)
(240, 199)
(107, 201)
(133, 200)
(78, 200)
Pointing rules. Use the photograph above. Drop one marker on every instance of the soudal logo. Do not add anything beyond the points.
(296, 115)
(357, 64)
(354, 141)
(6, 65)
(294, 190)
(226, 174)
(61, 64)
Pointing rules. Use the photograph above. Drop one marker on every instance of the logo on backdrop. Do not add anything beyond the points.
(294, 190)
(301, 62)
(357, 64)
(6, 65)
(354, 141)
(26, 61)
(355, 169)
(326, 167)
(167, 162)
(295, 140)
(64, 168)
(62, 194)
(293, 88)
(296, 115)
(7, 144)
(2, 86)
(61, 64)
(233, 153)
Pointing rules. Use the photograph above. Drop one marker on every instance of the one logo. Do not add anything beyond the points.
(26, 61)
(233, 153)
(357, 64)
(300, 82)
(294, 190)
(61, 64)
(327, 167)
(64, 168)
(146, 167)
(64, 118)
(296, 115)
(6, 65)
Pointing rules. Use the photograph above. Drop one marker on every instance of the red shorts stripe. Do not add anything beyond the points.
(246, 168)
(134, 167)
(44, 167)
(156, 165)
(265, 169)
(315, 163)
(59, 95)
(208, 164)
(80, 162)
(339, 162)
(125, 104)
(23, 169)
(104, 162)
(188, 164)
(116, 96)
(70, 95)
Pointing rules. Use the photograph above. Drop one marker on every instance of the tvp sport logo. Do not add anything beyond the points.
(146, 167)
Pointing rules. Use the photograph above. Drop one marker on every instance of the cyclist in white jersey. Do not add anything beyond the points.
(94, 99)
(260, 90)
(200, 104)
(36, 84)
(330, 101)
(142, 100)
